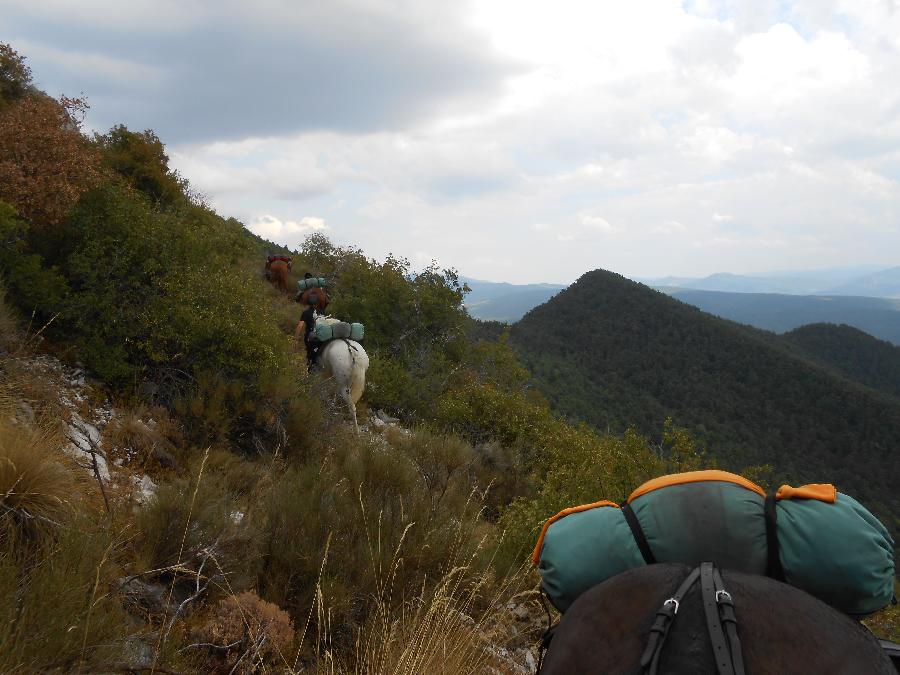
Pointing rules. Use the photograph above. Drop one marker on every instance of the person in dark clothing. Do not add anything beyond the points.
(307, 328)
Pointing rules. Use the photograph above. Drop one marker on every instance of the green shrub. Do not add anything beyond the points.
(366, 503)
(188, 525)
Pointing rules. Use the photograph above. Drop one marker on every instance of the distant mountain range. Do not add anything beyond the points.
(779, 302)
(498, 301)
(879, 317)
(880, 283)
(820, 405)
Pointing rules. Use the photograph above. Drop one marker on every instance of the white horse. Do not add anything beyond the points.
(346, 362)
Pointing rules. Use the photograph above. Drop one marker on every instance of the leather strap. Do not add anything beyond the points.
(638, 533)
(729, 623)
(773, 565)
(713, 622)
(663, 621)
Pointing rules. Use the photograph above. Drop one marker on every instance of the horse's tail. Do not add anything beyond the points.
(359, 363)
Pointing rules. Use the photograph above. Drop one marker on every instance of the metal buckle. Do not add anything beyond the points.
(723, 594)
(674, 602)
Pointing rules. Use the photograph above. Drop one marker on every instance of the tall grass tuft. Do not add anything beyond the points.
(57, 608)
(35, 486)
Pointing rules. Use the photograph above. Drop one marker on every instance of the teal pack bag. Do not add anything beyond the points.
(829, 545)
(312, 282)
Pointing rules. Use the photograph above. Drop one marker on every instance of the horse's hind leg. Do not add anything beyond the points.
(348, 397)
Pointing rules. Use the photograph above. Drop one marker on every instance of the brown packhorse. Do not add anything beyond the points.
(277, 272)
(781, 629)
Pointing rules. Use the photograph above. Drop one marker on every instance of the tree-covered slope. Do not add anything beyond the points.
(857, 355)
(615, 353)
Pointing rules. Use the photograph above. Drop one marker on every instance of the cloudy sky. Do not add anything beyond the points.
(515, 140)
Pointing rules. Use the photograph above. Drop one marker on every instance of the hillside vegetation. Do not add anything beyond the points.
(615, 354)
(180, 495)
(855, 354)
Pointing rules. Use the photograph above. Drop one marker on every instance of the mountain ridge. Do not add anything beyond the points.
(614, 354)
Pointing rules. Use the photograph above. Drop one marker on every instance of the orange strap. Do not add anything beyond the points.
(823, 492)
(695, 477)
(536, 555)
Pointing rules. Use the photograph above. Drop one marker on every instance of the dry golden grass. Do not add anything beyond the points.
(448, 627)
(36, 481)
(35, 488)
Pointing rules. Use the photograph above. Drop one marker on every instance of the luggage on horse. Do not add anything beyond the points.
(813, 537)
(311, 282)
(339, 330)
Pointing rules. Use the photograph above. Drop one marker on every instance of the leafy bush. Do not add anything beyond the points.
(141, 159)
(15, 76)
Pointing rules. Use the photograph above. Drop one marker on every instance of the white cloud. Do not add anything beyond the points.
(597, 223)
(766, 132)
(287, 232)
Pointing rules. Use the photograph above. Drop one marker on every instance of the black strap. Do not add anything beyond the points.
(638, 533)
(729, 623)
(661, 624)
(548, 634)
(713, 622)
(773, 566)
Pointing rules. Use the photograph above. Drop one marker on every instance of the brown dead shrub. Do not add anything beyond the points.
(45, 162)
(248, 634)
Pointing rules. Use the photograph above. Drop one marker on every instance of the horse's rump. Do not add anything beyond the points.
(278, 273)
(782, 629)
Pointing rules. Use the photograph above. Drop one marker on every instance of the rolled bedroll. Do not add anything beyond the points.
(813, 537)
(312, 282)
(333, 331)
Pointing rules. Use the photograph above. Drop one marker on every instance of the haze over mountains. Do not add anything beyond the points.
(862, 281)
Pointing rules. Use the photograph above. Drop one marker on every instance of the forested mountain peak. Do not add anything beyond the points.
(854, 353)
(617, 354)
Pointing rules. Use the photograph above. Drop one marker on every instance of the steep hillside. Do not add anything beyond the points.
(615, 353)
(777, 312)
(856, 354)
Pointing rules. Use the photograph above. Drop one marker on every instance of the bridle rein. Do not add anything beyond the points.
(721, 622)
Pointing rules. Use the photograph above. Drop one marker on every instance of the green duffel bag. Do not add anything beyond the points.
(332, 331)
(312, 282)
(324, 332)
(823, 542)
(357, 331)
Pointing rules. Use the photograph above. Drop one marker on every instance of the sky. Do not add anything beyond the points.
(513, 140)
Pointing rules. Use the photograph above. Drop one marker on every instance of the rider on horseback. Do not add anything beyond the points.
(315, 301)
